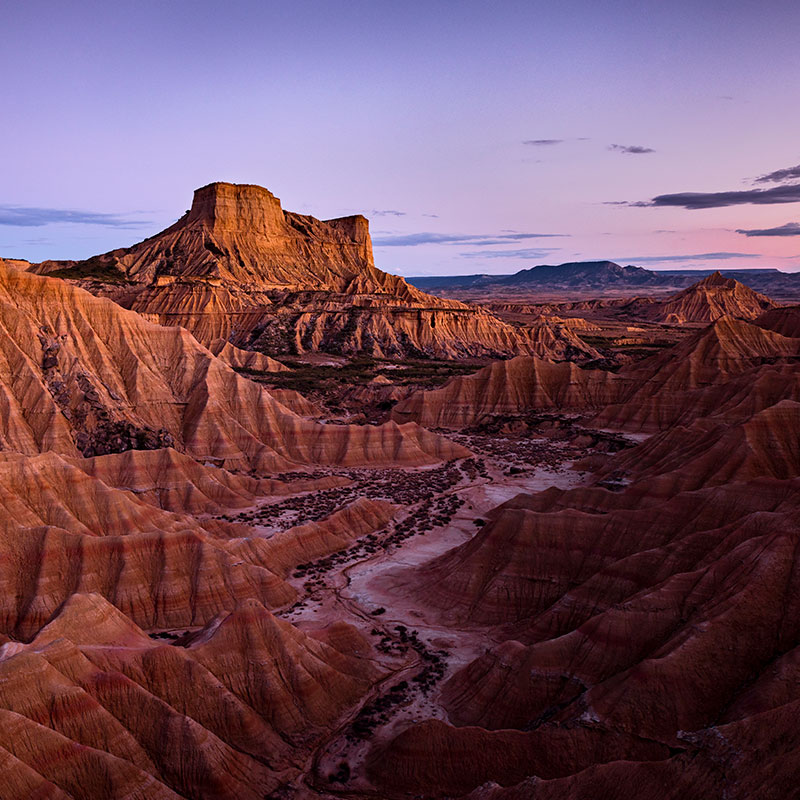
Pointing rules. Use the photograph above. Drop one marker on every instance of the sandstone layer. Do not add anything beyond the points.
(80, 375)
(238, 267)
(94, 708)
(709, 299)
(652, 607)
(730, 365)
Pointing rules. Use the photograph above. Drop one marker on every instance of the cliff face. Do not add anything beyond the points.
(240, 233)
(237, 266)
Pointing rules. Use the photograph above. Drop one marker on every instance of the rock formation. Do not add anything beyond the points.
(731, 364)
(731, 368)
(80, 375)
(245, 360)
(238, 267)
(94, 708)
(785, 321)
(511, 387)
(590, 590)
(708, 300)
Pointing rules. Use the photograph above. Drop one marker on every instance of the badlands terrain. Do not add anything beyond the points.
(278, 524)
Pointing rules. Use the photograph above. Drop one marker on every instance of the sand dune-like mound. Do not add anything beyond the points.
(238, 267)
(732, 366)
(709, 299)
(754, 757)
(99, 710)
(123, 527)
(64, 531)
(510, 387)
(435, 757)
(175, 482)
(304, 543)
(82, 376)
(712, 452)
(615, 617)
(245, 359)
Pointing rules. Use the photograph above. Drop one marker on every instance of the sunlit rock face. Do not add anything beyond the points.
(710, 299)
(238, 267)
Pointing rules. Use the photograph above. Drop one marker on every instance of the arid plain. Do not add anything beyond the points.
(276, 523)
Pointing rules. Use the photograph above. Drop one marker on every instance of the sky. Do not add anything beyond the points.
(478, 137)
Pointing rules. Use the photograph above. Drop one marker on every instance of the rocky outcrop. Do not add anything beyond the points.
(338, 323)
(240, 234)
(731, 366)
(238, 267)
(82, 376)
(511, 387)
(708, 300)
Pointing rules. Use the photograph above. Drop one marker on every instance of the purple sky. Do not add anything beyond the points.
(460, 128)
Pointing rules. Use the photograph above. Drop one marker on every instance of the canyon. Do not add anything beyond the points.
(278, 524)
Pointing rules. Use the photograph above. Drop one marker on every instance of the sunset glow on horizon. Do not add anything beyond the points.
(476, 137)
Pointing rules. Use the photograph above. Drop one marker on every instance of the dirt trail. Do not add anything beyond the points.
(416, 652)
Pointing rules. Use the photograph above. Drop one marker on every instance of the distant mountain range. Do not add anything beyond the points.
(602, 275)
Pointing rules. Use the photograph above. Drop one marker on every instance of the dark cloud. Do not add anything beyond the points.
(473, 239)
(32, 217)
(678, 258)
(388, 212)
(631, 149)
(543, 252)
(541, 142)
(695, 200)
(789, 229)
(780, 175)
